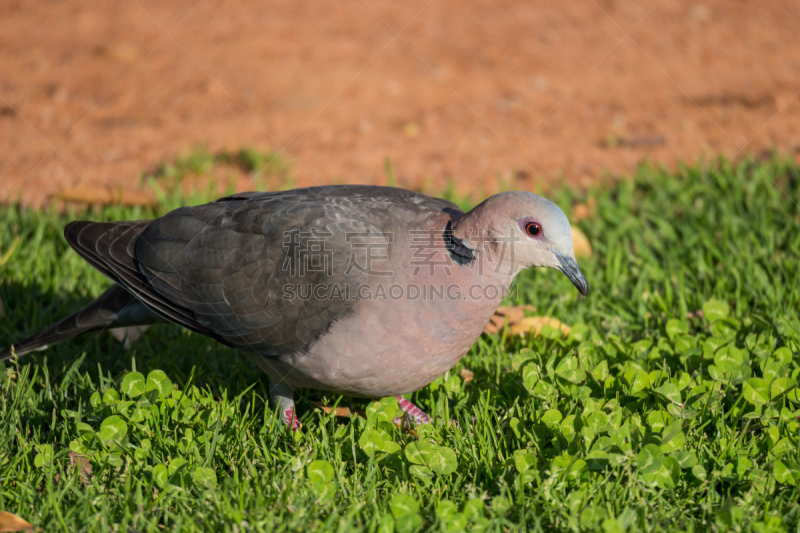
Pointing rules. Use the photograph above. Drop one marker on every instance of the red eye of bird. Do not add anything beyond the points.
(534, 229)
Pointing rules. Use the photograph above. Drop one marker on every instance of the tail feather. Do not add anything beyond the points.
(114, 308)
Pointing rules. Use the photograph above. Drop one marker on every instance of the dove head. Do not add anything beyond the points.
(524, 230)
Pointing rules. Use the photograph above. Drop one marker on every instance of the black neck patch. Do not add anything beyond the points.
(459, 252)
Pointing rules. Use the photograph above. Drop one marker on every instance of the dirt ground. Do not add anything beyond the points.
(480, 91)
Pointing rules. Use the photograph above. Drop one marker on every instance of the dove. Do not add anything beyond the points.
(359, 290)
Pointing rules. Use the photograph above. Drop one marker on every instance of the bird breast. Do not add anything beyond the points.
(394, 343)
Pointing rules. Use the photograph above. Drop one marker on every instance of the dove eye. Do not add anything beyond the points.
(533, 229)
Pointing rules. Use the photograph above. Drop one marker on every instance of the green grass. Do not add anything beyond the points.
(643, 419)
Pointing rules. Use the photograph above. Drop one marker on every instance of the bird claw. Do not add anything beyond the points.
(290, 419)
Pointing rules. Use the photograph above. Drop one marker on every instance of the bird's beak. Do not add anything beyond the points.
(570, 268)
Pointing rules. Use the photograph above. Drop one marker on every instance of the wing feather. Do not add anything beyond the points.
(222, 269)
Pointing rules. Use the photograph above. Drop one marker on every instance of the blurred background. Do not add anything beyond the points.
(486, 94)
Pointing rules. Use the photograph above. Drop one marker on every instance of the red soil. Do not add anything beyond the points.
(478, 91)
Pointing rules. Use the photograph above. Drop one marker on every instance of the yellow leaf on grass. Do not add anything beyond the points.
(11, 522)
(503, 315)
(344, 412)
(535, 324)
(581, 244)
(97, 194)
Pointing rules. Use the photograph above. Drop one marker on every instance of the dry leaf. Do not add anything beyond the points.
(534, 324)
(11, 522)
(511, 315)
(581, 244)
(493, 326)
(344, 412)
(82, 463)
(468, 375)
(97, 194)
(583, 211)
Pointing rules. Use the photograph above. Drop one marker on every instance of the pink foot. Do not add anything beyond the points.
(413, 414)
(290, 419)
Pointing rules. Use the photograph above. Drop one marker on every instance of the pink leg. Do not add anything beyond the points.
(290, 419)
(413, 413)
(283, 396)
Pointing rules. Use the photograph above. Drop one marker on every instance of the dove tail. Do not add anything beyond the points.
(114, 308)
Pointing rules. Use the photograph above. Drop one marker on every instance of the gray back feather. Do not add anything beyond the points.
(221, 269)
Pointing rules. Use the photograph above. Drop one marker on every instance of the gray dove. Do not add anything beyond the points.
(359, 290)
